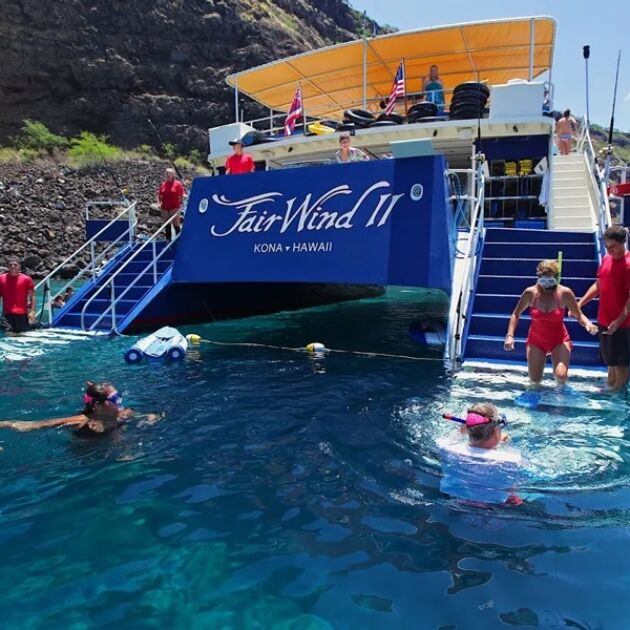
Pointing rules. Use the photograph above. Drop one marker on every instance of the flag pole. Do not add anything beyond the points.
(404, 85)
(303, 109)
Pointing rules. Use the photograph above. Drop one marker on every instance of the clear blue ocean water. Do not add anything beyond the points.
(282, 491)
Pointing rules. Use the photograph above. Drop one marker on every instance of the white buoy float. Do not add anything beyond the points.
(165, 344)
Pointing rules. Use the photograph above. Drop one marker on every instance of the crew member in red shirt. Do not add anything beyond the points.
(613, 314)
(170, 197)
(239, 162)
(18, 299)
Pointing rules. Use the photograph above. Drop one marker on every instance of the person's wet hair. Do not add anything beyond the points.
(98, 394)
(548, 267)
(566, 113)
(616, 233)
(483, 432)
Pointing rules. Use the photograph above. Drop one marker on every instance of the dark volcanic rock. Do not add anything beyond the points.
(42, 207)
(107, 65)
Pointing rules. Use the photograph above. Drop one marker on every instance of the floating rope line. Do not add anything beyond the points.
(314, 349)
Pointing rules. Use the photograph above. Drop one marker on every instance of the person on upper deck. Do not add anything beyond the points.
(348, 153)
(239, 162)
(547, 301)
(433, 88)
(565, 126)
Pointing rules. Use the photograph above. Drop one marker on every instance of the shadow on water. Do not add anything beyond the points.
(282, 491)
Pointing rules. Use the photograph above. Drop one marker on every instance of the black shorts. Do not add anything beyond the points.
(614, 349)
(15, 323)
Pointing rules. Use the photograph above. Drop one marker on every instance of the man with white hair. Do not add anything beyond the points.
(170, 197)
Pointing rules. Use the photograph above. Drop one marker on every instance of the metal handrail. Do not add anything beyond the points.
(110, 282)
(598, 186)
(459, 308)
(45, 282)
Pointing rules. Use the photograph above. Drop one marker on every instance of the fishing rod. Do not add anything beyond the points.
(163, 147)
(110, 170)
(612, 124)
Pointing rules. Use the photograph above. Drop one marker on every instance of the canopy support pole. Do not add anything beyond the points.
(236, 100)
(532, 38)
(365, 51)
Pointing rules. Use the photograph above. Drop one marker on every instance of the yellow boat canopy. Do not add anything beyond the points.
(360, 73)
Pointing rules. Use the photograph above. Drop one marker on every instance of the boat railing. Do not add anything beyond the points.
(97, 259)
(273, 123)
(597, 186)
(463, 280)
(110, 284)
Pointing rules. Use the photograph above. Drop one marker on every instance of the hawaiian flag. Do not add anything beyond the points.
(294, 113)
(398, 88)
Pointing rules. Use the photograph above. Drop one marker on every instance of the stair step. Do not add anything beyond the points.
(515, 285)
(492, 324)
(491, 347)
(511, 235)
(540, 250)
(504, 303)
(586, 268)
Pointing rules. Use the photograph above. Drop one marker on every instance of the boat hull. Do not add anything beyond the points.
(180, 304)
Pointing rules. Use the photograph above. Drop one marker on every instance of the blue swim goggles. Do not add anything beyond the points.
(114, 398)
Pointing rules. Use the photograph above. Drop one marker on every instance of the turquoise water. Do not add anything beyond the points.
(281, 491)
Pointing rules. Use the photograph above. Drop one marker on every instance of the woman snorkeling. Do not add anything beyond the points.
(102, 413)
(547, 301)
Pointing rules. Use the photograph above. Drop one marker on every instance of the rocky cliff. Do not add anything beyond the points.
(107, 65)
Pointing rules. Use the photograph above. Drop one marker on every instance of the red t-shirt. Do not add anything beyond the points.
(239, 164)
(14, 291)
(171, 195)
(613, 279)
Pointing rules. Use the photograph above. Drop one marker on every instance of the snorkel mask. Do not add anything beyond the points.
(548, 282)
(475, 419)
(114, 398)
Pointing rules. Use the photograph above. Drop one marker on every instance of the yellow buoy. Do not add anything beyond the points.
(315, 347)
(192, 338)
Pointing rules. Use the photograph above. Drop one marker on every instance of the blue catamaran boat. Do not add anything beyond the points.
(466, 197)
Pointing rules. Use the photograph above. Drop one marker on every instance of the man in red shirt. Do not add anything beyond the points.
(170, 197)
(18, 298)
(613, 313)
(239, 162)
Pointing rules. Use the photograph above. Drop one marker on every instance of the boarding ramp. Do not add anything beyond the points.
(122, 273)
(496, 264)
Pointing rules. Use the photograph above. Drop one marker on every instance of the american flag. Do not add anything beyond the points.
(294, 113)
(398, 88)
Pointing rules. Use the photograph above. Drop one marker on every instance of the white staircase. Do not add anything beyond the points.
(572, 202)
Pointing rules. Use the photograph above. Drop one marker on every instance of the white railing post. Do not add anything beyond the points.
(113, 305)
(154, 262)
(49, 305)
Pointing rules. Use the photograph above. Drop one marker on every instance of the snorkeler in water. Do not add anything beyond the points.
(102, 413)
(483, 469)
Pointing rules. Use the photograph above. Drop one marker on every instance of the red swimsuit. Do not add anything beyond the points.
(547, 330)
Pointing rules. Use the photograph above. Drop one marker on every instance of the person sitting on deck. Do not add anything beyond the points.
(547, 301)
(483, 469)
(102, 413)
(433, 88)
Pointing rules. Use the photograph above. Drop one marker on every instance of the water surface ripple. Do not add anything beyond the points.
(282, 491)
